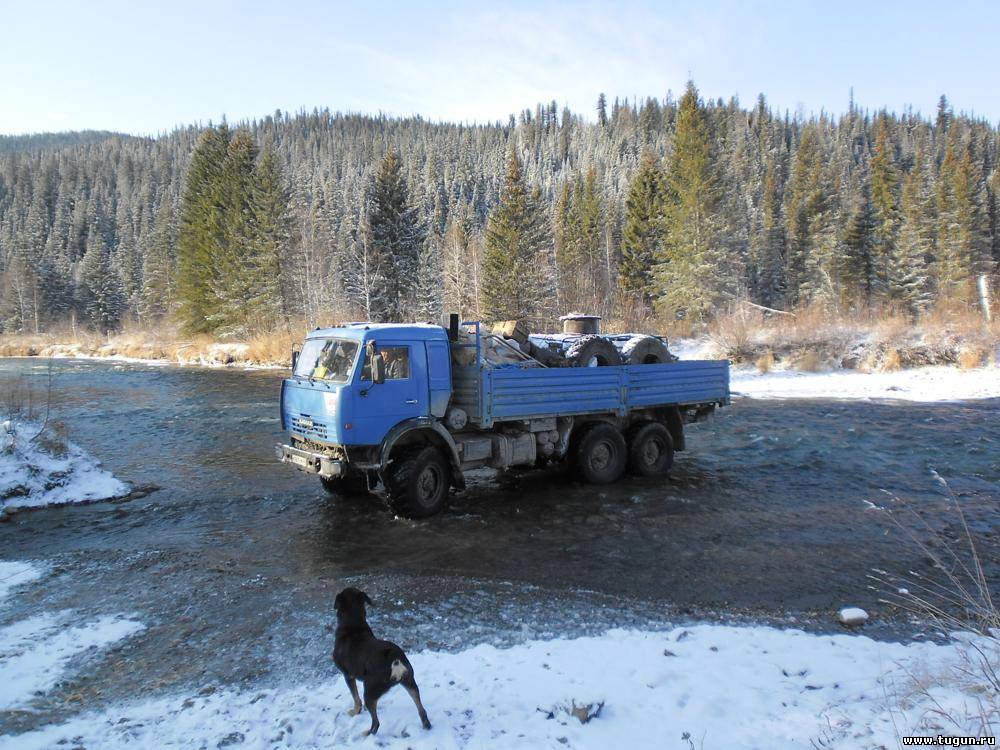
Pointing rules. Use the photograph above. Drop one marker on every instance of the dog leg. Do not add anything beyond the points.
(371, 703)
(411, 687)
(352, 685)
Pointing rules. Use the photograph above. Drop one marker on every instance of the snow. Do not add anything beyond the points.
(16, 574)
(36, 472)
(720, 686)
(34, 653)
(852, 616)
(924, 384)
(37, 651)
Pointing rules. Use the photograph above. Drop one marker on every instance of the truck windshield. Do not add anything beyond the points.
(327, 359)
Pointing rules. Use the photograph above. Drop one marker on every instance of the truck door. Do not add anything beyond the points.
(403, 395)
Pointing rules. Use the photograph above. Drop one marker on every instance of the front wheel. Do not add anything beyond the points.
(600, 454)
(418, 483)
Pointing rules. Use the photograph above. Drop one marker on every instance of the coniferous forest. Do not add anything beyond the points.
(662, 209)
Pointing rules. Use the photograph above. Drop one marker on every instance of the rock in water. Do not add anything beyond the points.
(852, 616)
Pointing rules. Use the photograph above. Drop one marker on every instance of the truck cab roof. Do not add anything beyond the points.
(383, 332)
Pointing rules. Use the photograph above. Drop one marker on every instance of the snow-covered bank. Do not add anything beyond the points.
(37, 651)
(37, 469)
(920, 384)
(720, 686)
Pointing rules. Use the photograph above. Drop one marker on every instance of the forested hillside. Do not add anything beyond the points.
(672, 208)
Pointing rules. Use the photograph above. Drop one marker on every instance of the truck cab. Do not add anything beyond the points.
(356, 391)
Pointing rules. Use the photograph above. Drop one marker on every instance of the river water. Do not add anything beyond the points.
(233, 563)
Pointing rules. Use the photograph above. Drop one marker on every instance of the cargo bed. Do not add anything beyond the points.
(508, 393)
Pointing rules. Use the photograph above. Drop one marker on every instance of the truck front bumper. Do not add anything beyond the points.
(311, 463)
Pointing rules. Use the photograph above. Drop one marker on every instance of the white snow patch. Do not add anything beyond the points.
(722, 686)
(14, 573)
(694, 348)
(32, 476)
(34, 653)
(919, 384)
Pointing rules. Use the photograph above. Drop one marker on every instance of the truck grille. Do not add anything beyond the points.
(306, 426)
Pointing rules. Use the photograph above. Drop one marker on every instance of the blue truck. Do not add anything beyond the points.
(404, 410)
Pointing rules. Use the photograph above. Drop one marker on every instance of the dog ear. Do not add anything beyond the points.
(338, 602)
(367, 598)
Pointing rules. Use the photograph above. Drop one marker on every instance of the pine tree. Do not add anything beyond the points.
(159, 268)
(908, 280)
(857, 278)
(268, 280)
(810, 223)
(690, 273)
(202, 232)
(395, 238)
(642, 237)
(768, 246)
(100, 292)
(602, 110)
(514, 262)
(962, 246)
(884, 187)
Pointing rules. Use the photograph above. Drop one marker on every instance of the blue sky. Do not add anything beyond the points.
(144, 67)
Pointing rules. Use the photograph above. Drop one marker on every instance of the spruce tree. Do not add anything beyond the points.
(642, 236)
(201, 233)
(514, 260)
(690, 275)
(884, 188)
(159, 268)
(908, 279)
(394, 239)
(100, 290)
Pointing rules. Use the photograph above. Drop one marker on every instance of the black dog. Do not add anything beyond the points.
(361, 656)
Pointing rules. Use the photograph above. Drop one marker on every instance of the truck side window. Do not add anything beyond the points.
(397, 363)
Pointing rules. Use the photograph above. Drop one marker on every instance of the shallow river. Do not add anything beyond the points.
(234, 562)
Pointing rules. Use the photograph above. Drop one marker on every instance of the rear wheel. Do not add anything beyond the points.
(348, 486)
(600, 454)
(418, 482)
(651, 450)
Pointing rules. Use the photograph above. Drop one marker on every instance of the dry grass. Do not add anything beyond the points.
(807, 360)
(971, 357)
(269, 349)
(891, 362)
(957, 598)
(872, 340)
(765, 362)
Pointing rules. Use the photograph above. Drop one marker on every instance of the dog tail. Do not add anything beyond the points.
(398, 670)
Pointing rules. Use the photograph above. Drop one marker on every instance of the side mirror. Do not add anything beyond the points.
(378, 369)
(295, 359)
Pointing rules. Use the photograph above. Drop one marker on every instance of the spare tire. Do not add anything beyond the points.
(592, 351)
(646, 350)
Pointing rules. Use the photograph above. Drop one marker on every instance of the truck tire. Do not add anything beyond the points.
(350, 486)
(600, 454)
(646, 350)
(650, 450)
(592, 351)
(418, 482)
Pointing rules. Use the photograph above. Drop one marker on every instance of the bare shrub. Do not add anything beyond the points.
(734, 332)
(892, 361)
(807, 360)
(765, 362)
(972, 357)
